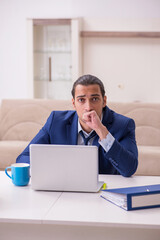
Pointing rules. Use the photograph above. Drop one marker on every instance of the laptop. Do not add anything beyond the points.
(64, 168)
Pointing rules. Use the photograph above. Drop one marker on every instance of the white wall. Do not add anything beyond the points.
(137, 79)
(129, 67)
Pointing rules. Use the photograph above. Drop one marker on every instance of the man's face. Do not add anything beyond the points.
(88, 98)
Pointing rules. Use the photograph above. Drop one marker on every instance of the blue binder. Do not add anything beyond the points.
(133, 198)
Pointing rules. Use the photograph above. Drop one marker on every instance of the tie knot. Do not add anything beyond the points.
(86, 139)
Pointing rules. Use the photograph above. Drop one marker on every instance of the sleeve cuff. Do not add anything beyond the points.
(107, 142)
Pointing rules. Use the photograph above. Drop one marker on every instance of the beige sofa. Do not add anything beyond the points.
(20, 120)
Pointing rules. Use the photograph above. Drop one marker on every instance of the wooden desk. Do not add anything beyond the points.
(27, 214)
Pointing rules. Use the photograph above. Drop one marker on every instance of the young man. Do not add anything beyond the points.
(92, 123)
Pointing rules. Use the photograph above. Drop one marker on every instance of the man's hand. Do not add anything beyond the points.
(93, 121)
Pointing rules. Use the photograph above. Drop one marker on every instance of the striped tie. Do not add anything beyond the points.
(93, 134)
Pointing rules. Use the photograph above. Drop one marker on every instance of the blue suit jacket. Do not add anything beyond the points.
(62, 128)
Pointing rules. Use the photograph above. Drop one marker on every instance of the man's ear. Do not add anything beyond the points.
(73, 102)
(104, 101)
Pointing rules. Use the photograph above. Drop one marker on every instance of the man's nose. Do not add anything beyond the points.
(88, 106)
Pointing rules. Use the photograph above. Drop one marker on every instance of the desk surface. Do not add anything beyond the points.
(24, 205)
(91, 209)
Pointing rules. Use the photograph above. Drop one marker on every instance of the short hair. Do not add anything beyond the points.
(86, 80)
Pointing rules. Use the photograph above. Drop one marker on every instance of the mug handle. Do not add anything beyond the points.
(7, 172)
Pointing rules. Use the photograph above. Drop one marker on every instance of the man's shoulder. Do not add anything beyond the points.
(63, 114)
(116, 117)
(118, 123)
(120, 117)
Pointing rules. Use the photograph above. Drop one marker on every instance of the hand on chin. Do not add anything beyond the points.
(85, 126)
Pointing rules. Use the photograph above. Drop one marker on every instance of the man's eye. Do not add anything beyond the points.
(95, 99)
(81, 100)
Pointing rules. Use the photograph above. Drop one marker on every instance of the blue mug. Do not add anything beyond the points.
(20, 173)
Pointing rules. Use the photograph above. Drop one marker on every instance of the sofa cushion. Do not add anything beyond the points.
(22, 119)
(9, 151)
(147, 136)
(146, 116)
(149, 160)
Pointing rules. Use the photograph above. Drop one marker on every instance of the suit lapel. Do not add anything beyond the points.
(107, 118)
(72, 130)
(95, 141)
